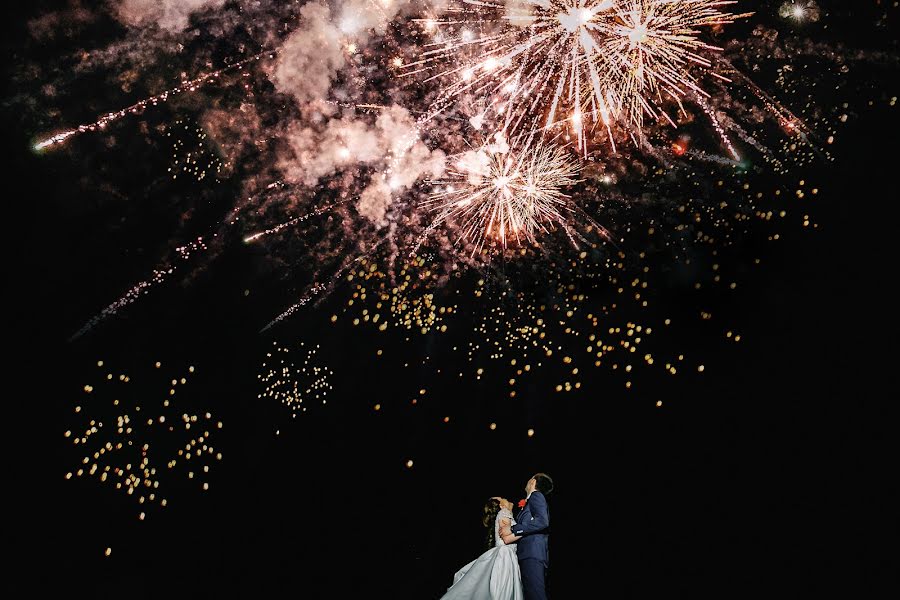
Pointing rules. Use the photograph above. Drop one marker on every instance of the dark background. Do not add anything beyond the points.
(768, 475)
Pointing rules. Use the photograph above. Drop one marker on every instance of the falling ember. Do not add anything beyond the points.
(139, 440)
(292, 376)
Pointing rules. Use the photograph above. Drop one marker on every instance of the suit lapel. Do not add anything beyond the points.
(522, 512)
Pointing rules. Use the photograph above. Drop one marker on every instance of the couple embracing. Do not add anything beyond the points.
(515, 565)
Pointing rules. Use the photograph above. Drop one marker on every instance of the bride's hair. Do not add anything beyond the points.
(491, 508)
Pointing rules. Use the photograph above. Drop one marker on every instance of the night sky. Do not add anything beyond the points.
(760, 469)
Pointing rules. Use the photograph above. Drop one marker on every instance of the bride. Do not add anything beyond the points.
(495, 574)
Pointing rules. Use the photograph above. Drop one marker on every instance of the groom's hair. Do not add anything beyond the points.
(543, 483)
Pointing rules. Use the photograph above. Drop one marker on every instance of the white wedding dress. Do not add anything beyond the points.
(492, 576)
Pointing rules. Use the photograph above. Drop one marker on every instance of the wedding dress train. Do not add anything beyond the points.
(492, 576)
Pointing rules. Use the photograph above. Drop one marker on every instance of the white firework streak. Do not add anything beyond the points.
(232, 216)
(188, 86)
(294, 221)
(161, 273)
(318, 288)
(718, 127)
(424, 236)
(713, 158)
(790, 122)
(142, 288)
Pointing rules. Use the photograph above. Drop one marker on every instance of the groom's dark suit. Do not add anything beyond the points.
(533, 524)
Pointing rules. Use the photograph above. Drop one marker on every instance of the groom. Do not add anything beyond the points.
(532, 534)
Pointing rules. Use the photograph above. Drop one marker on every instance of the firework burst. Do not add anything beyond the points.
(653, 49)
(548, 75)
(499, 193)
(573, 64)
(800, 11)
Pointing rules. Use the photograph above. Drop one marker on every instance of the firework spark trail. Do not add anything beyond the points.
(612, 59)
(232, 216)
(787, 119)
(424, 236)
(189, 86)
(398, 152)
(718, 127)
(160, 274)
(294, 221)
(713, 158)
(354, 106)
(751, 141)
(317, 288)
(320, 287)
(593, 224)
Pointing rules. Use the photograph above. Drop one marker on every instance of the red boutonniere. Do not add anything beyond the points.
(521, 503)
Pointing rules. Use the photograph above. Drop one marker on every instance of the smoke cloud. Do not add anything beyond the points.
(391, 146)
(171, 15)
(311, 56)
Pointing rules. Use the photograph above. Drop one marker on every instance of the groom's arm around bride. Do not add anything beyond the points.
(534, 518)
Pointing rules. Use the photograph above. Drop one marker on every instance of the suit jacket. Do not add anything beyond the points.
(533, 524)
